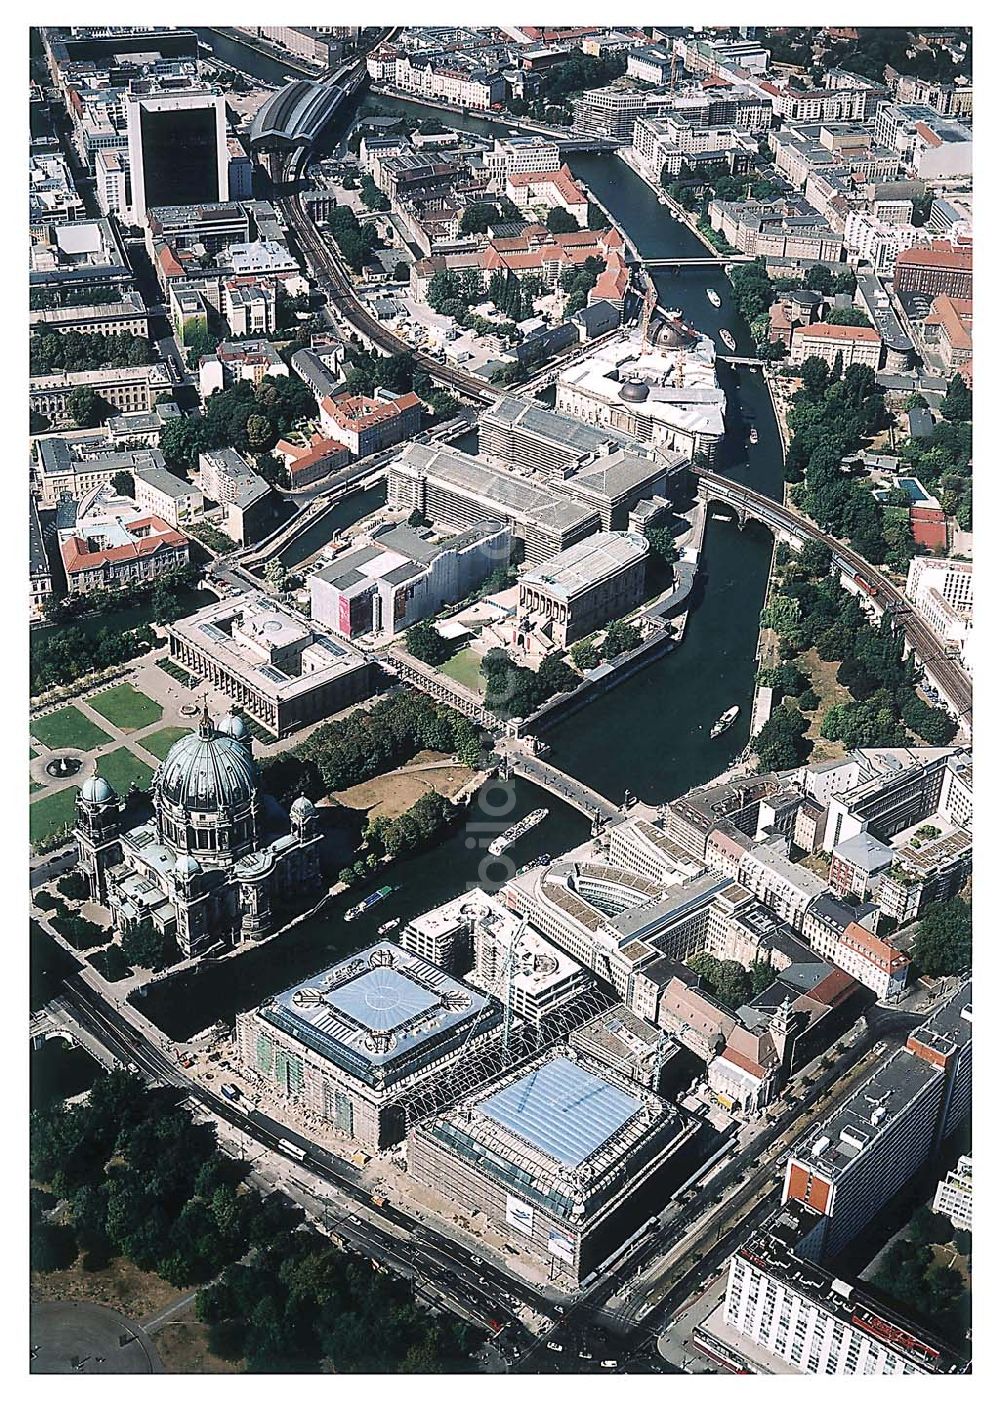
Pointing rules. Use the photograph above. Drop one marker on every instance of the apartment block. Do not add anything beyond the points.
(852, 1162)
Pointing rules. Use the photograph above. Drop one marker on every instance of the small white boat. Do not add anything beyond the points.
(713, 297)
(754, 436)
(725, 721)
(727, 338)
(389, 926)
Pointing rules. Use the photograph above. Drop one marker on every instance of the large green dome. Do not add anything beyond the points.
(208, 771)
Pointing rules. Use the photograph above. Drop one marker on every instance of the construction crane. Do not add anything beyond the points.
(648, 308)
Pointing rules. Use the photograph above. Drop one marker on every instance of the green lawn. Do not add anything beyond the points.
(159, 743)
(120, 768)
(51, 813)
(32, 753)
(68, 727)
(126, 707)
(464, 668)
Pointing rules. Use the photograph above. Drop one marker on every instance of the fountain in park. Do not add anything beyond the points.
(62, 766)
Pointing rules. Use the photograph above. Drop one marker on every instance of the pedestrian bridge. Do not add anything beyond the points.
(707, 261)
(598, 808)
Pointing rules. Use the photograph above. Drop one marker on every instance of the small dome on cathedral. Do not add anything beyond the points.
(97, 790)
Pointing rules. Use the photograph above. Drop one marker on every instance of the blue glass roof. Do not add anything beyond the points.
(381, 999)
(561, 1109)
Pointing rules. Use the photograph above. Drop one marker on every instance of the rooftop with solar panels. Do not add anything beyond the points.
(379, 1010)
(562, 1131)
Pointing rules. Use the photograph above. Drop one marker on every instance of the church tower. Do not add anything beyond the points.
(97, 831)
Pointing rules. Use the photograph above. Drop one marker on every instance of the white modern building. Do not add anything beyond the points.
(941, 592)
(954, 1194)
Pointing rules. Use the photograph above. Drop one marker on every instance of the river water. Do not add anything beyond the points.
(650, 735)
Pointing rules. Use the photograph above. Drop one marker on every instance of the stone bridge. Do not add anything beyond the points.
(522, 762)
(858, 575)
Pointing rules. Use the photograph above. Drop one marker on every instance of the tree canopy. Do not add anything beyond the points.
(943, 946)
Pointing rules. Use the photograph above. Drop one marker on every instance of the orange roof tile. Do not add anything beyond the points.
(834, 332)
(77, 556)
(937, 254)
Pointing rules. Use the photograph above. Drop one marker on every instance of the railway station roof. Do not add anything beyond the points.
(296, 114)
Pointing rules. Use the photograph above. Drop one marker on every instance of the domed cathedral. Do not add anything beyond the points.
(200, 869)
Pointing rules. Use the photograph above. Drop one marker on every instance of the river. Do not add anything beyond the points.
(651, 734)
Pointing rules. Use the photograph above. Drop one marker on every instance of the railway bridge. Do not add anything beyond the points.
(858, 575)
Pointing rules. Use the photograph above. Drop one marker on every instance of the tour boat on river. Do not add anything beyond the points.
(510, 836)
(728, 338)
(725, 721)
(365, 904)
(713, 297)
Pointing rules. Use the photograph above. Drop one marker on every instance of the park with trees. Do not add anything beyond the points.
(370, 741)
(809, 610)
(127, 1174)
(244, 417)
(50, 351)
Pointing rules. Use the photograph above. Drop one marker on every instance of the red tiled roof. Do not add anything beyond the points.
(937, 254)
(954, 316)
(930, 137)
(168, 262)
(562, 180)
(361, 412)
(835, 332)
(77, 556)
(833, 989)
(733, 1056)
(879, 952)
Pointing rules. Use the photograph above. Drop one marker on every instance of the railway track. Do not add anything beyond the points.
(953, 679)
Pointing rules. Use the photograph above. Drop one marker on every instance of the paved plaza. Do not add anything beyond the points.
(88, 1339)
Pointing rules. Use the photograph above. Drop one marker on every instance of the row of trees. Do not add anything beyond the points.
(242, 417)
(830, 417)
(85, 351)
(63, 657)
(419, 827)
(164, 595)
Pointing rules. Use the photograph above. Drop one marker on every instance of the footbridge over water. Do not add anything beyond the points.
(523, 762)
(706, 261)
